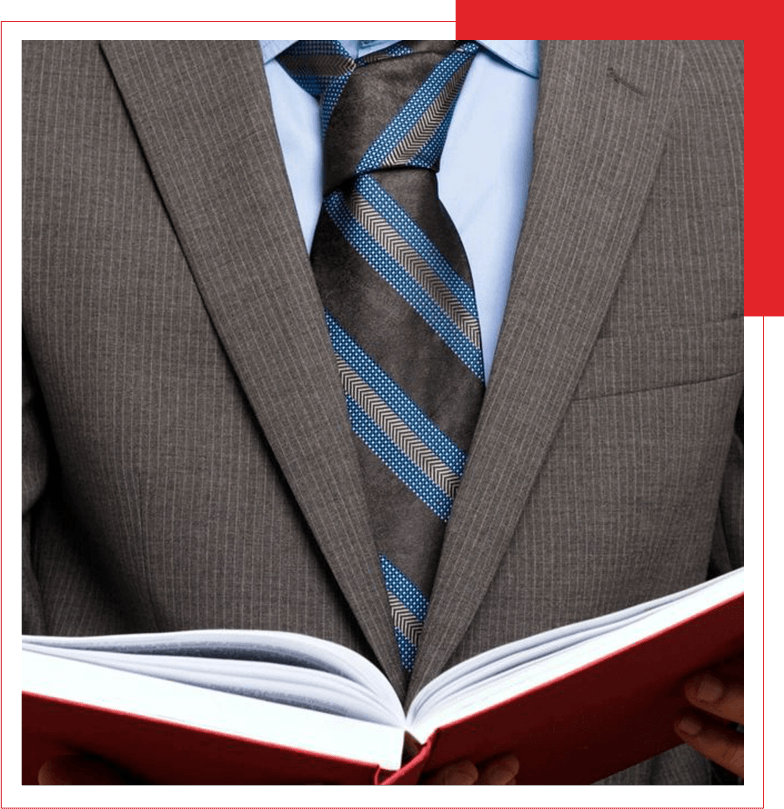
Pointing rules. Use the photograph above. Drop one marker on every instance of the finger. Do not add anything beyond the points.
(74, 769)
(499, 771)
(459, 773)
(717, 694)
(721, 744)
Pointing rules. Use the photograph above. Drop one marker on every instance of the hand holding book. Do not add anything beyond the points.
(716, 694)
(711, 729)
(201, 705)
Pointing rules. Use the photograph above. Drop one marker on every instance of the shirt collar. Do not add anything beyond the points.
(522, 54)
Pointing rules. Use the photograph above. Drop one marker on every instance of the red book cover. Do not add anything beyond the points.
(603, 717)
(577, 728)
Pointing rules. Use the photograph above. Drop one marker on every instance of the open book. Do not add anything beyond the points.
(229, 706)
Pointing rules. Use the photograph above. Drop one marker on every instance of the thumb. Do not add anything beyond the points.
(75, 769)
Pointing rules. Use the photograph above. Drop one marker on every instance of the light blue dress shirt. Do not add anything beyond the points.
(485, 165)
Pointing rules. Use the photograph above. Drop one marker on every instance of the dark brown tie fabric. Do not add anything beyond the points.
(398, 295)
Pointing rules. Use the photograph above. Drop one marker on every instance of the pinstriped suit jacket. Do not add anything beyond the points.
(187, 456)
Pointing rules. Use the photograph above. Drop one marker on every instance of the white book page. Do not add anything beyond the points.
(227, 647)
(86, 683)
(502, 673)
(274, 682)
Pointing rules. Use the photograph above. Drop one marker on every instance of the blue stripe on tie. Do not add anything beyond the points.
(412, 598)
(406, 649)
(330, 99)
(396, 276)
(379, 443)
(394, 396)
(415, 107)
(399, 584)
(398, 49)
(396, 216)
(430, 153)
(326, 88)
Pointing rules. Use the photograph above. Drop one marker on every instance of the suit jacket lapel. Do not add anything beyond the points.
(203, 115)
(601, 121)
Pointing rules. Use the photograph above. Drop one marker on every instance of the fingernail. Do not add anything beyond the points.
(505, 768)
(710, 688)
(689, 725)
(460, 775)
(459, 778)
(499, 775)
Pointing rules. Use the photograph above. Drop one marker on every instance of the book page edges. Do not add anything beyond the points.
(212, 711)
(422, 728)
(465, 736)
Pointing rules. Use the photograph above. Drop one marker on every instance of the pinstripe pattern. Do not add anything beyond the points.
(176, 474)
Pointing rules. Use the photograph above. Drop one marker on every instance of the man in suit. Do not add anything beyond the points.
(188, 459)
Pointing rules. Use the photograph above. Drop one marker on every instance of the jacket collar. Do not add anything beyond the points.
(203, 116)
(597, 142)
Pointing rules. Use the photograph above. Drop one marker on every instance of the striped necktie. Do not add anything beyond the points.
(398, 295)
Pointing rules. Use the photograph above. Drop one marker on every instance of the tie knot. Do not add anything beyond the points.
(390, 109)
